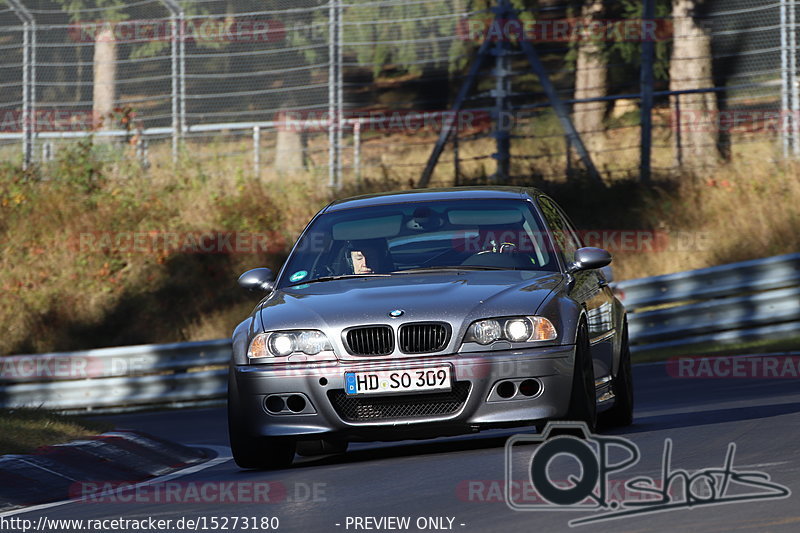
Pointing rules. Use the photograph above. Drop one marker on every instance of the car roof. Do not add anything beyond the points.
(425, 195)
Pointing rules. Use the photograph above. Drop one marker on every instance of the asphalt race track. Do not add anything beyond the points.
(462, 479)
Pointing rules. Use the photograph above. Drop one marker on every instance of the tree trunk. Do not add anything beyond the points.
(290, 144)
(690, 68)
(591, 81)
(105, 79)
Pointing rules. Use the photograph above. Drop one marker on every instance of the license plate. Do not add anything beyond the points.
(427, 379)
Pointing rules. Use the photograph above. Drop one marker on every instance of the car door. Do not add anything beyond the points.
(589, 288)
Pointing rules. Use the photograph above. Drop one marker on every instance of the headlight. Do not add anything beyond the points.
(486, 331)
(281, 344)
(518, 329)
(513, 329)
(286, 343)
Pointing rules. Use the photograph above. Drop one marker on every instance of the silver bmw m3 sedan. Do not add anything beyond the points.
(422, 314)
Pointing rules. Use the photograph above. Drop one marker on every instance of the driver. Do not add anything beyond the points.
(359, 261)
(368, 257)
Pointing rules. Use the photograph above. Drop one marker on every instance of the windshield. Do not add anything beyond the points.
(393, 239)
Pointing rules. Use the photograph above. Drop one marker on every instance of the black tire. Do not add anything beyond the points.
(621, 414)
(309, 448)
(253, 451)
(583, 398)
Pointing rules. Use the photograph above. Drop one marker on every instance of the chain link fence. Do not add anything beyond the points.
(344, 90)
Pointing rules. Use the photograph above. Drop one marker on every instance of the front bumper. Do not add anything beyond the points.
(476, 376)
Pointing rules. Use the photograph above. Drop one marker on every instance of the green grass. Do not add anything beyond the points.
(24, 430)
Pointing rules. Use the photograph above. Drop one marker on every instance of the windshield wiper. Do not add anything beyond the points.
(344, 276)
(459, 267)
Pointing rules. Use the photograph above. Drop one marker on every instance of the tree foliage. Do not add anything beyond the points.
(630, 52)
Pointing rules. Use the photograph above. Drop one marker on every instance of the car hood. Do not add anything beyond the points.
(454, 297)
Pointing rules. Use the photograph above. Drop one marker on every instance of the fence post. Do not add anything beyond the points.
(646, 82)
(568, 143)
(256, 151)
(339, 92)
(175, 89)
(793, 78)
(333, 118)
(26, 97)
(784, 79)
(28, 80)
(357, 149)
(47, 151)
(456, 165)
(182, 70)
(141, 149)
(678, 125)
(501, 132)
(176, 39)
(32, 82)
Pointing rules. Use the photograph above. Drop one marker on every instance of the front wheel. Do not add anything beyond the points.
(621, 414)
(263, 453)
(254, 451)
(583, 398)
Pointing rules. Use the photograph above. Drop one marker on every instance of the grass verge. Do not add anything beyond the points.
(24, 430)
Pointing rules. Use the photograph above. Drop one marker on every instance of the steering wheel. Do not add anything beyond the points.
(507, 248)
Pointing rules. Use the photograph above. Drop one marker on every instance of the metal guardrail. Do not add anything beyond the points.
(728, 303)
(115, 379)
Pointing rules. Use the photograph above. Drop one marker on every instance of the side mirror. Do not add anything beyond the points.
(258, 279)
(589, 259)
(608, 273)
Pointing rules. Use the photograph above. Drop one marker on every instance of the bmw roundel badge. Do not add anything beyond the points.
(396, 313)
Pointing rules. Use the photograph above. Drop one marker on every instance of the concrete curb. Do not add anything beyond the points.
(54, 473)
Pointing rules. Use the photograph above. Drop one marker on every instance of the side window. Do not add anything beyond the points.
(566, 239)
(568, 224)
